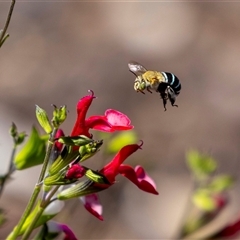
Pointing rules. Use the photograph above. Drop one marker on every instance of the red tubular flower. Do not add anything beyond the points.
(112, 120)
(111, 170)
(139, 177)
(92, 204)
(231, 231)
(82, 108)
(59, 134)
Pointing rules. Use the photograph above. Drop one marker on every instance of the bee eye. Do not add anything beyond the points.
(142, 85)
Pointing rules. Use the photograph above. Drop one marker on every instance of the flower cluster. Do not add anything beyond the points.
(112, 121)
(63, 166)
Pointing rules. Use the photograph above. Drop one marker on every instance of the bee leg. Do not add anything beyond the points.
(149, 90)
(164, 105)
(164, 98)
(141, 91)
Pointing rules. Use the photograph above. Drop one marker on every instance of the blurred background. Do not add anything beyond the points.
(59, 50)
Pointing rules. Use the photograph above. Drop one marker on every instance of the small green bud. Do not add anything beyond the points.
(59, 115)
(203, 199)
(96, 177)
(58, 179)
(75, 141)
(13, 130)
(90, 149)
(43, 120)
(221, 183)
(202, 166)
(20, 138)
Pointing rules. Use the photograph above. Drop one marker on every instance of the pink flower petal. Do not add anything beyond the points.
(92, 204)
(99, 123)
(69, 235)
(139, 178)
(118, 120)
(141, 175)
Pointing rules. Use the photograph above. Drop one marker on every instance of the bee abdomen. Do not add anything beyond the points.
(173, 81)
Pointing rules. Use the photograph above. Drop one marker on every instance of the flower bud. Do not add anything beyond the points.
(80, 189)
(20, 138)
(59, 115)
(63, 160)
(13, 130)
(76, 171)
(96, 177)
(90, 149)
(43, 120)
(58, 179)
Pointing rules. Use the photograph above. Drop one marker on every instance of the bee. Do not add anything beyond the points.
(167, 84)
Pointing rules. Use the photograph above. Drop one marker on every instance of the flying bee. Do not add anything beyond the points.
(167, 84)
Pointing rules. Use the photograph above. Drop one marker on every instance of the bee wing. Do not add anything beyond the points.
(136, 68)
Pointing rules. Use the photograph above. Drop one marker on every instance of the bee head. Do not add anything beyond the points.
(139, 85)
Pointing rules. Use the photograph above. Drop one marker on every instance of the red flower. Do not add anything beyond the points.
(92, 204)
(57, 228)
(110, 122)
(111, 170)
(139, 177)
(230, 231)
(59, 134)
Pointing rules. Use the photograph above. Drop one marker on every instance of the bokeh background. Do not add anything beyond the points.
(57, 50)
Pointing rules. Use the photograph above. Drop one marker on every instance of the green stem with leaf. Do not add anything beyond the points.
(36, 190)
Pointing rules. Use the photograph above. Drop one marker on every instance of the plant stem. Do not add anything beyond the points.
(10, 169)
(37, 189)
(42, 206)
(28, 209)
(2, 35)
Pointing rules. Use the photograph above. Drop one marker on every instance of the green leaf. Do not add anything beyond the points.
(204, 200)
(221, 183)
(120, 140)
(32, 153)
(201, 165)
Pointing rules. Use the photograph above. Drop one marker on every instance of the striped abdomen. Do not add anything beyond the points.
(173, 81)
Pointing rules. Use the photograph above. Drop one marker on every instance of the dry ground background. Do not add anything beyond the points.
(59, 49)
